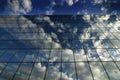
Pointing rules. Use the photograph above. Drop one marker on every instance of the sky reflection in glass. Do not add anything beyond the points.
(59, 47)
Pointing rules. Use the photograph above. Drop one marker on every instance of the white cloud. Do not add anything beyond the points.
(98, 71)
(86, 18)
(67, 55)
(85, 36)
(83, 71)
(19, 6)
(47, 19)
(71, 2)
(27, 5)
(50, 7)
(38, 72)
(104, 9)
(98, 1)
(49, 12)
(80, 55)
(103, 18)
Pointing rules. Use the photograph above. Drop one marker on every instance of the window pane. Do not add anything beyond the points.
(83, 71)
(88, 44)
(77, 44)
(9, 71)
(53, 71)
(80, 55)
(110, 35)
(67, 55)
(19, 55)
(112, 70)
(103, 54)
(7, 56)
(114, 54)
(55, 56)
(92, 55)
(24, 71)
(43, 55)
(2, 66)
(38, 72)
(68, 71)
(98, 71)
(115, 43)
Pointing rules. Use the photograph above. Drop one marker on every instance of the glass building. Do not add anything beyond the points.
(34, 46)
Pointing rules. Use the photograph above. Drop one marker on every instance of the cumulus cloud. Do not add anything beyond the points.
(103, 9)
(83, 71)
(103, 18)
(98, 71)
(71, 2)
(19, 6)
(86, 18)
(50, 9)
(67, 55)
(80, 55)
(98, 1)
(38, 72)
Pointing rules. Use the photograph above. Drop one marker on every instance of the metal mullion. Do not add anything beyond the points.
(47, 67)
(29, 75)
(13, 55)
(95, 31)
(3, 53)
(61, 64)
(46, 39)
(101, 61)
(46, 48)
(20, 63)
(6, 65)
(88, 63)
(47, 63)
(110, 55)
(34, 60)
(113, 60)
(115, 36)
(32, 68)
(74, 60)
(102, 64)
(45, 32)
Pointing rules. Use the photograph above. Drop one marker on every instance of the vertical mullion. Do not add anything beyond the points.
(102, 64)
(61, 63)
(6, 64)
(29, 75)
(3, 53)
(101, 61)
(74, 57)
(20, 63)
(34, 59)
(88, 62)
(108, 52)
(48, 61)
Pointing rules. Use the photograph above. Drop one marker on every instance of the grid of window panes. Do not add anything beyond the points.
(43, 50)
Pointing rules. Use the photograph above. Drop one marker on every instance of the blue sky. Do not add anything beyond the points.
(59, 7)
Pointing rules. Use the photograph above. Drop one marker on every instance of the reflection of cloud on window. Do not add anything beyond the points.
(76, 47)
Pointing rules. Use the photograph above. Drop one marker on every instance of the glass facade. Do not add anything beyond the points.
(60, 47)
